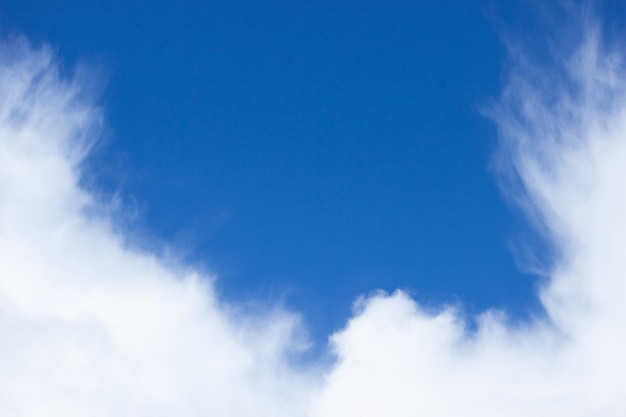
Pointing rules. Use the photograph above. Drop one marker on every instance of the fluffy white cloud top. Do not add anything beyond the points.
(91, 326)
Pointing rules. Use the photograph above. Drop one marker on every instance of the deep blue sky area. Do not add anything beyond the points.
(306, 152)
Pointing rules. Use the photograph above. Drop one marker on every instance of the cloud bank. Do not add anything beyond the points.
(90, 326)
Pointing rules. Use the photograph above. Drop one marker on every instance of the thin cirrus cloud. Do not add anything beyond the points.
(90, 325)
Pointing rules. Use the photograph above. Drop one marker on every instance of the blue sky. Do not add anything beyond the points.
(304, 152)
(199, 204)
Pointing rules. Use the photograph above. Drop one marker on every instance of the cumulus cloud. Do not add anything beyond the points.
(90, 325)
(562, 126)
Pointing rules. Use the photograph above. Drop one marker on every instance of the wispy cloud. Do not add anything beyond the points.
(90, 325)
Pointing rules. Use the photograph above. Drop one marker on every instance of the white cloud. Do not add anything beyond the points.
(89, 326)
(92, 326)
(563, 133)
